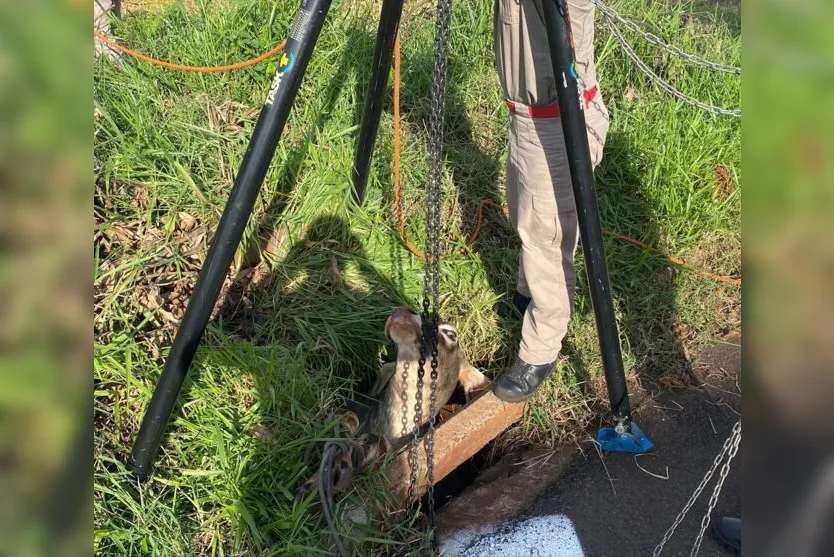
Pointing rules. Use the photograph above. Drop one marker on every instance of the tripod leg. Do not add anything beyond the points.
(582, 176)
(291, 67)
(389, 22)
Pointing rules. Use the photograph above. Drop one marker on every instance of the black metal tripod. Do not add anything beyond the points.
(292, 65)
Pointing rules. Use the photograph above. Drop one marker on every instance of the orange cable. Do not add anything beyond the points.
(202, 69)
(480, 215)
(675, 260)
(397, 193)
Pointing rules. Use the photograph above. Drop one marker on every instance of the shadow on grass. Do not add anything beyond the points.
(241, 312)
(476, 173)
(644, 292)
(341, 326)
(299, 302)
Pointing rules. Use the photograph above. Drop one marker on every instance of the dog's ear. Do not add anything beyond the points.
(448, 334)
(386, 372)
(350, 422)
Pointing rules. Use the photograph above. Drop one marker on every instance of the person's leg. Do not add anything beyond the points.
(547, 226)
(102, 10)
(539, 191)
(521, 298)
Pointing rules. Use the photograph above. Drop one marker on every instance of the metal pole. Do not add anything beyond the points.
(389, 22)
(291, 67)
(560, 38)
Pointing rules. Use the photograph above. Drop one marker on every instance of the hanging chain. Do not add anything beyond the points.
(720, 111)
(412, 448)
(611, 13)
(431, 277)
(713, 500)
(730, 447)
(717, 110)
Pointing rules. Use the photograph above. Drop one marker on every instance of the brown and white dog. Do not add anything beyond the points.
(396, 385)
(381, 430)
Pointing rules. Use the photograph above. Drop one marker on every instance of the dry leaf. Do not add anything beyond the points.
(186, 222)
(141, 198)
(732, 335)
(333, 271)
(669, 382)
(148, 297)
(262, 433)
(680, 330)
(274, 242)
(726, 185)
(168, 316)
(630, 94)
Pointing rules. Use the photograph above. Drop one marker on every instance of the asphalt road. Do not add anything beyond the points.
(614, 507)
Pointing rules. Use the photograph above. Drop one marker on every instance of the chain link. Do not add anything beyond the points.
(730, 446)
(443, 28)
(412, 448)
(611, 13)
(720, 111)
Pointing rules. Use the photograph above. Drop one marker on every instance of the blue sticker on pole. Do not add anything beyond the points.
(286, 62)
(573, 70)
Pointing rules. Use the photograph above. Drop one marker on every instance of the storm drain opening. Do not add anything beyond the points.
(463, 442)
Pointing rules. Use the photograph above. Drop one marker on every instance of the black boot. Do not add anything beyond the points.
(521, 380)
(518, 306)
(728, 531)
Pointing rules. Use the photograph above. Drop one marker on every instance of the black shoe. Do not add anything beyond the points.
(519, 304)
(520, 381)
(728, 532)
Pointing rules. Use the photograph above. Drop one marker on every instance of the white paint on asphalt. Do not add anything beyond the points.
(547, 536)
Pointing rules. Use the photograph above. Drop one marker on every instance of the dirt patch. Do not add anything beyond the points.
(146, 268)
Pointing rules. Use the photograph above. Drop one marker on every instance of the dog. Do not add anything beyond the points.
(393, 418)
(381, 431)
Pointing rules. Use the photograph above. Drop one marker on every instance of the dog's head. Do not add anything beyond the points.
(405, 328)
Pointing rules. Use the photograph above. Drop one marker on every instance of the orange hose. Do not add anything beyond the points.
(484, 202)
(202, 69)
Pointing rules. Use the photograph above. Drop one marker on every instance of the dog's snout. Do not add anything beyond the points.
(403, 323)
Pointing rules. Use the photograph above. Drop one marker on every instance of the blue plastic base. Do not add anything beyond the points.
(634, 442)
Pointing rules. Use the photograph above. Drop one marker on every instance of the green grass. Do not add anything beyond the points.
(287, 346)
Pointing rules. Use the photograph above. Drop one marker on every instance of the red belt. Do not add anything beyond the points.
(548, 110)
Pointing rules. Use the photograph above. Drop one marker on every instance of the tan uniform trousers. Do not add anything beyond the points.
(539, 192)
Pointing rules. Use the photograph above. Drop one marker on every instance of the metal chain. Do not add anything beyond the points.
(725, 450)
(657, 41)
(720, 111)
(713, 500)
(412, 448)
(431, 277)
